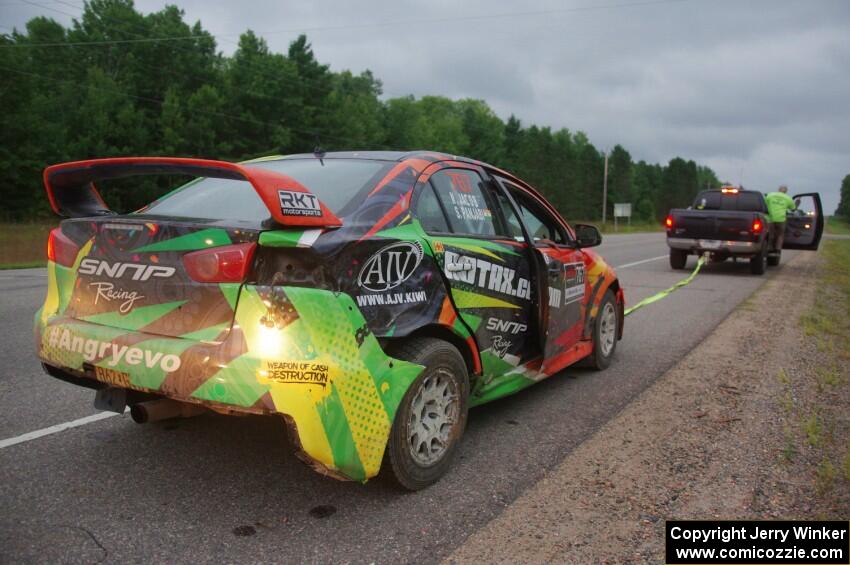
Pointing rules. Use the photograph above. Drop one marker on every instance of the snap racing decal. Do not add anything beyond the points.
(294, 203)
(106, 291)
(137, 271)
(92, 349)
(486, 275)
(500, 346)
(505, 326)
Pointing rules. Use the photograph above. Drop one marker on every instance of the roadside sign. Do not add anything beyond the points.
(622, 210)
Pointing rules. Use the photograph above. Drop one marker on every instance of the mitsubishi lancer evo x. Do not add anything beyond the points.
(369, 299)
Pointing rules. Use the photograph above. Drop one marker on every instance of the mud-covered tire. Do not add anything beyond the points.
(605, 333)
(773, 259)
(678, 259)
(758, 263)
(444, 365)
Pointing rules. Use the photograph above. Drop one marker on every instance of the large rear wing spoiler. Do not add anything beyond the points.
(72, 192)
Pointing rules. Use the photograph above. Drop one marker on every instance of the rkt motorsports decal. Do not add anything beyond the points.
(298, 203)
(137, 271)
(486, 275)
(390, 266)
(92, 349)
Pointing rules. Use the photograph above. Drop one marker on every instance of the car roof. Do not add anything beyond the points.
(396, 156)
(421, 154)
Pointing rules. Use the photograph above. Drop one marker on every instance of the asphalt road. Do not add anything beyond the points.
(228, 489)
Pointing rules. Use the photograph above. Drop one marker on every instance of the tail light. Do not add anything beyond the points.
(60, 249)
(669, 222)
(757, 226)
(220, 264)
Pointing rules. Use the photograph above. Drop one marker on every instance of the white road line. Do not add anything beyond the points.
(29, 436)
(627, 265)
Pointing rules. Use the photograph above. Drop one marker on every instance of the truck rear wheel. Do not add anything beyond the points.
(758, 263)
(678, 259)
(774, 258)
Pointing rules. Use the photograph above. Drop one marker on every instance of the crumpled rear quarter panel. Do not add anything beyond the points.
(302, 352)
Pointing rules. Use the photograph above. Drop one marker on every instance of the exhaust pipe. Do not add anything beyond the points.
(163, 409)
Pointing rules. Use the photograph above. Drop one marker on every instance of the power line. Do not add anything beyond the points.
(396, 23)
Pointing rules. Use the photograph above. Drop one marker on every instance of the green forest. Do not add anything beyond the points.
(118, 82)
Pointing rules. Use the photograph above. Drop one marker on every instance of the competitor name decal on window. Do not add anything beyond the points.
(486, 275)
(298, 203)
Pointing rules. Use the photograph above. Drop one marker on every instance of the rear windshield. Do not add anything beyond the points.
(338, 183)
(741, 202)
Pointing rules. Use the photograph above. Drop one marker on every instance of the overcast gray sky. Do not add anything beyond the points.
(759, 90)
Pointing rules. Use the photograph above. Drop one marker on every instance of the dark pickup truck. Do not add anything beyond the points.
(730, 222)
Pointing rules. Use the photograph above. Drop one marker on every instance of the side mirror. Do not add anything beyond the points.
(587, 235)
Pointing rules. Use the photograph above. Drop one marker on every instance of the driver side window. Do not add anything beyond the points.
(541, 225)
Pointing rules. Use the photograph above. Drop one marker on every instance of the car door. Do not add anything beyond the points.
(561, 265)
(486, 270)
(804, 226)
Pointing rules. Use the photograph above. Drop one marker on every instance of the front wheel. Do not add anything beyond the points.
(678, 258)
(605, 332)
(431, 418)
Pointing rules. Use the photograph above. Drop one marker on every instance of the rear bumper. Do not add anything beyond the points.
(304, 354)
(714, 246)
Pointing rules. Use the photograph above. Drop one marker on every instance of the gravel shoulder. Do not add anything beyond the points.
(744, 427)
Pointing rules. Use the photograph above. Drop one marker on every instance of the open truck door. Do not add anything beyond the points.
(804, 226)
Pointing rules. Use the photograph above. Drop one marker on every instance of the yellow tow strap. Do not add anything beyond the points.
(663, 293)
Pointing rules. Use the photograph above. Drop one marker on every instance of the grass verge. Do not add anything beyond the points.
(817, 421)
(837, 226)
(23, 245)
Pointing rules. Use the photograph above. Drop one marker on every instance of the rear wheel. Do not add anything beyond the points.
(678, 258)
(605, 332)
(431, 418)
(758, 263)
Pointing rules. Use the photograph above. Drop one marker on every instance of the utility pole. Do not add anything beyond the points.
(605, 189)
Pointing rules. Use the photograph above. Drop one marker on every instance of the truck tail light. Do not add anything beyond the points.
(757, 226)
(669, 222)
(60, 249)
(220, 264)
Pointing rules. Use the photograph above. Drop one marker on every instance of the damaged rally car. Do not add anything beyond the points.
(367, 298)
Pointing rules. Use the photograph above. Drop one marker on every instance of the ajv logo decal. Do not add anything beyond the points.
(298, 203)
(139, 271)
(390, 266)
